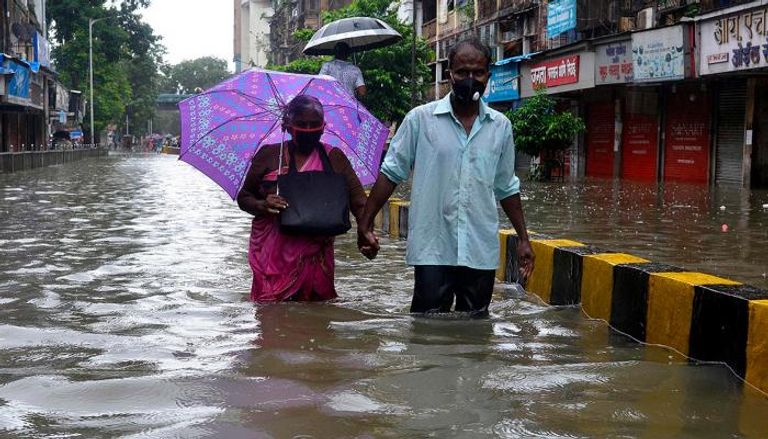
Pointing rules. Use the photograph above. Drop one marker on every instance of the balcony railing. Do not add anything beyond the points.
(429, 30)
(486, 8)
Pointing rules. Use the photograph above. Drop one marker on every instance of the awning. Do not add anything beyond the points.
(516, 59)
(31, 65)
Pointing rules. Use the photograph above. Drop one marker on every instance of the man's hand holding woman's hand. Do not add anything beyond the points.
(367, 242)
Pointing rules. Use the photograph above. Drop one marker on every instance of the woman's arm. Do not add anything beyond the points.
(250, 198)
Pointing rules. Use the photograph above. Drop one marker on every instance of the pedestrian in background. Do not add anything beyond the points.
(348, 74)
(462, 156)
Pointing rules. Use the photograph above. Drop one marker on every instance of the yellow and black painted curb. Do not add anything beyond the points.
(705, 317)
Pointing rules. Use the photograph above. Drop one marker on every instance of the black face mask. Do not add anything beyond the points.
(468, 90)
(306, 140)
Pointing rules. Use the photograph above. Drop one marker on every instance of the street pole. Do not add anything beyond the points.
(91, 22)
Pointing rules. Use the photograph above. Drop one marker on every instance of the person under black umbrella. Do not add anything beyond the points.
(348, 74)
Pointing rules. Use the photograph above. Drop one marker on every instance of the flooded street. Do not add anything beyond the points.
(124, 312)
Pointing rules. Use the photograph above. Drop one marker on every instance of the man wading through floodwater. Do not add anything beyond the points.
(462, 156)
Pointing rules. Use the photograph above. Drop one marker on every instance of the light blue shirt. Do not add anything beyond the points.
(457, 180)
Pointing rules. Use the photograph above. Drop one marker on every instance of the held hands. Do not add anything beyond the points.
(274, 204)
(525, 260)
(367, 242)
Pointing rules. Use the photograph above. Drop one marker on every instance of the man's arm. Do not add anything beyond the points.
(360, 84)
(367, 241)
(507, 190)
(395, 169)
(513, 207)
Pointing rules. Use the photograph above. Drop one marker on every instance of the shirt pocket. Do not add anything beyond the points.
(484, 161)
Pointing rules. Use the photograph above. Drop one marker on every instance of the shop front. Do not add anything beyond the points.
(663, 58)
(627, 144)
(733, 58)
(564, 73)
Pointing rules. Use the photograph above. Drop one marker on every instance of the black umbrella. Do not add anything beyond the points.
(360, 33)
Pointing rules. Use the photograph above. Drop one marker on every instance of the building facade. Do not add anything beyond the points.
(252, 33)
(290, 16)
(25, 76)
(670, 90)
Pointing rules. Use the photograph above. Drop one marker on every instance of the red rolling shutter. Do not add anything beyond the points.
(686, 152)
(599, 138)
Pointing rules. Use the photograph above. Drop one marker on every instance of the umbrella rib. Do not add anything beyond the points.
(351, 149)
(253, 99)
(275, 91)
(245, 174)
(234, 119)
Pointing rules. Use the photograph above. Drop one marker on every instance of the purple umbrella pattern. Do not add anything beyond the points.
(223, 127)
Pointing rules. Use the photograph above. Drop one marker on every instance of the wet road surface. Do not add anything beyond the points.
(124, 313)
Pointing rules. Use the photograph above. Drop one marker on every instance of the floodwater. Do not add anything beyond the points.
(718, 230)
(124, 313)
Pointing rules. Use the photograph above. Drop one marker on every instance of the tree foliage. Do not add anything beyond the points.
(126, 55)
(187, 76)
(387, 71)
(539, 128)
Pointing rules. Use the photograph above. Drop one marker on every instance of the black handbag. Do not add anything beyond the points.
(318, 201)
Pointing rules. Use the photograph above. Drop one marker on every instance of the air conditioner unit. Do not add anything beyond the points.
(646, 18)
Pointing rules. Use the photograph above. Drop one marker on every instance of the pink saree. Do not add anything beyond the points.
(290, 267)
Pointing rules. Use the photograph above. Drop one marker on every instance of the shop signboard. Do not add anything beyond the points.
(659, 55)
(42, 50)
(561, 17)
(613, 63)
(504, 84)
(62, 97)
(734, 42)
(558, 74)
(552, 73)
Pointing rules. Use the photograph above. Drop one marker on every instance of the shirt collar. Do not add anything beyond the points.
(444, 107)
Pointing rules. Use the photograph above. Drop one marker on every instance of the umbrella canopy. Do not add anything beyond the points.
(360, 33)
(223, 127)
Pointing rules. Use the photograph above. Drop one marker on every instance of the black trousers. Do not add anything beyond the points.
(436, 286)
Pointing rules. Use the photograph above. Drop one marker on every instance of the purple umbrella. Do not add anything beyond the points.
(223, 127)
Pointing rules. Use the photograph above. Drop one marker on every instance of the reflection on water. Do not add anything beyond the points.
(124, 285)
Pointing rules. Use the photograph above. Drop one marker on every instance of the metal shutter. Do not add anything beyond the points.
(730, 133)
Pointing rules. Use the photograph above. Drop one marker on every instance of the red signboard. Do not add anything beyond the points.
(686, 153)
(639, 147)
(556, 72)
(600, 138)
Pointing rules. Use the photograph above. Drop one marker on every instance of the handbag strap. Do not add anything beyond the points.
(323, 158)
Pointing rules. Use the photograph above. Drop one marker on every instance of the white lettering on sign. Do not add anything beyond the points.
(717, 58)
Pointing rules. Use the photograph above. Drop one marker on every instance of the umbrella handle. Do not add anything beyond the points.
(280, 164)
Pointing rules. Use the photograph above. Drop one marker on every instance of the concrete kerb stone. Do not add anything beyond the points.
(704, 317)
(11, 162)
